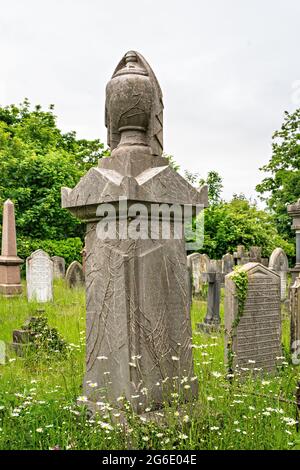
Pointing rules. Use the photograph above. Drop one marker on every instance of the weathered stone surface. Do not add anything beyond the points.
(10, 277)
(295, 318)
(137, 291)
(255, 254)
(83, 255)
(215, 278)
(279, 262)
(39, 276)
(59, 267)
(257, 337)
(294, 211)
(227, 263)
(199, 265)
(75, 275)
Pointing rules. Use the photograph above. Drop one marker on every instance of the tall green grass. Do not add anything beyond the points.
(38, 394)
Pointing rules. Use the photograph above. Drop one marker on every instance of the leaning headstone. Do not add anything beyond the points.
(295, 321)
(75, 275)
(227, 263)
(10, 276)
(39, 277)
(137, 289)
(59, 267)
(279, 262)
(253, 338)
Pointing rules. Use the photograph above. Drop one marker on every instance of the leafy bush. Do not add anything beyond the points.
(68, 248)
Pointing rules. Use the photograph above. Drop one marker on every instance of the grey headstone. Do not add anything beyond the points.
(39, 277)
(75, 275)
(199, 264)
(256, 340)
(59, 267)
(227, 263)
(255, 254)
(279, 262)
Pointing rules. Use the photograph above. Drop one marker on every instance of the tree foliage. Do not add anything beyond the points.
(239, 222)
(282, 185)
(36, 160)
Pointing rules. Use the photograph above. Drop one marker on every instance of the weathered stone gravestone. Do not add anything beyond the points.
(294, 211)
(75, 275)
(255, 254)
(137, 289)
(253, 340)
(279, 262)
(214, 277)
(227, 263)
(39, 276)
(2, 353)
(10, 276)
(198, 264)
(59, 267)
(295, 321)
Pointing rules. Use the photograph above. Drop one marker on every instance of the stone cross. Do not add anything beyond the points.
(59, 267)
(137, 287)
(75, 275)
(10, 276)
(294, 211)
(39, 277)
(279, 262)
(214, 277)
(253, 339)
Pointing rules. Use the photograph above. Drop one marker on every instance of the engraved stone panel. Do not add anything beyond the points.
(256, 340)
(39, 277)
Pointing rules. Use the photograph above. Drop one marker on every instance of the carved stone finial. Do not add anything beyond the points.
(134, 106)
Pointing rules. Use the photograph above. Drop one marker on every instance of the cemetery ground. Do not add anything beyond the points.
(39, 394)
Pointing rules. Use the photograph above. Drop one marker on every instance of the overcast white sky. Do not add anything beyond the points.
(227, 69)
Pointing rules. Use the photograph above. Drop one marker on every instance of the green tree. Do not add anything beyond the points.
(240, 222)
(215, 186)
(36, 160)
(282, 185)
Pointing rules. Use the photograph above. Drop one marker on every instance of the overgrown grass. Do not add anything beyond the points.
(38, 394)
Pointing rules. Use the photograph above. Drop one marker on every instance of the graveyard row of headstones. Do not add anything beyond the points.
(40, 268)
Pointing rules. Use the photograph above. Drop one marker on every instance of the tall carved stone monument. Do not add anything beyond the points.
(10, 277)
(137, 288)
(295, 320)
(39, 277)
(294, 211)
(253, 339)
(279, 262)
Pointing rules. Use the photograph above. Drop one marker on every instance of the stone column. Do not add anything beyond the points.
(10, 276)
(294, 211)
(137, 287)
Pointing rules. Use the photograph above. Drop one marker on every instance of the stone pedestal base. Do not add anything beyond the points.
(10, 290)
(10, 278)
(208, 327)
